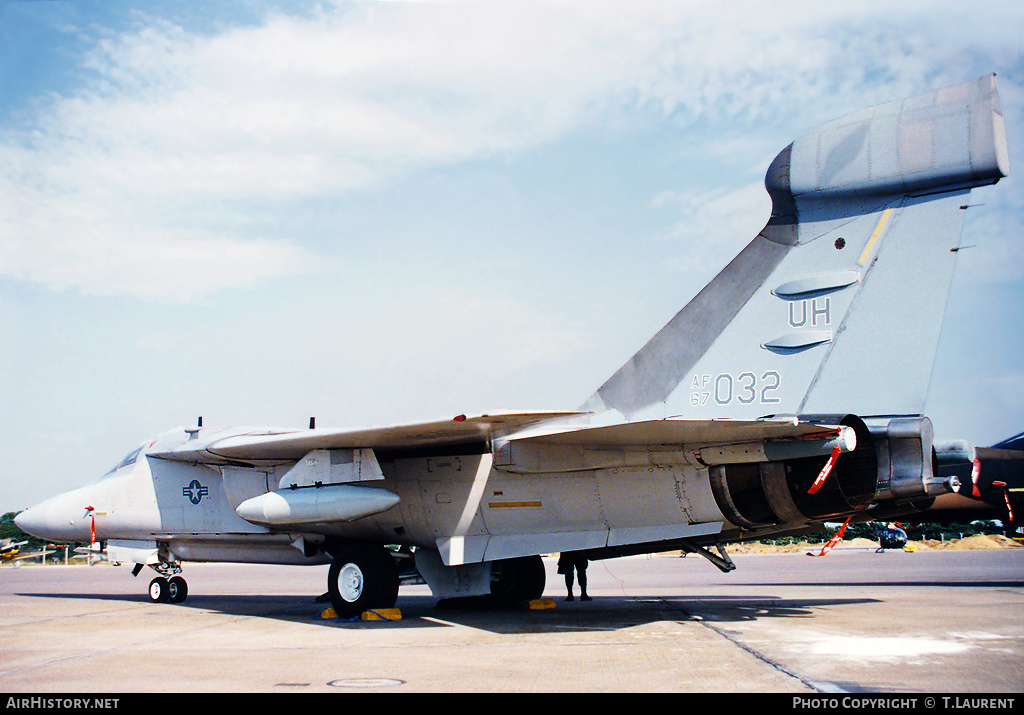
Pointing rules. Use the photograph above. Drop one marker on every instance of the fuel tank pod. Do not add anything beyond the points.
(310, 505)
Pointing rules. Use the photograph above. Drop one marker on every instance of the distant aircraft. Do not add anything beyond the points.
(991, 487)
(10, 550)
(788, 392)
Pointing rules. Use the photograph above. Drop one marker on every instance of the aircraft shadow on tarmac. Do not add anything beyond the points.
(603, 613)
(738, 608)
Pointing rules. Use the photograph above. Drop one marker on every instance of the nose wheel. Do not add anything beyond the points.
(168, 590)
(168, 586)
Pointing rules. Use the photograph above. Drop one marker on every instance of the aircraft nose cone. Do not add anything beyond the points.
(30, 521)
(57, 519)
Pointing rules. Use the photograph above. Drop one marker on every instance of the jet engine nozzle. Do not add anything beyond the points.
(893, 462)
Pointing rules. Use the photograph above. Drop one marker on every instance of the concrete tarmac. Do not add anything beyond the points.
(854, 621)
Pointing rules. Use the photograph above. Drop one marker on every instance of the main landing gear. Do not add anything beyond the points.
(362, 577)
(514, 581)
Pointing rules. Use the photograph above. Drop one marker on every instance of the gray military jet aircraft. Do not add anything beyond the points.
(788, 392)
(991, 487)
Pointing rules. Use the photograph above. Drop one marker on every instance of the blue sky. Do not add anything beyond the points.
(375, 212)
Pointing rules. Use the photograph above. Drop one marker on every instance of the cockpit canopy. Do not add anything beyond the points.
(128, 459)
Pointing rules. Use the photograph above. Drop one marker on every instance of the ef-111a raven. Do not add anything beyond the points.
(789, 392)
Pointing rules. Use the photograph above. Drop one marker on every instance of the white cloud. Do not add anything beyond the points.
(131, 183)
(978, 404)
(714, 225)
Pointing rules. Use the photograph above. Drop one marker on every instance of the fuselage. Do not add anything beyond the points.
(459, 503)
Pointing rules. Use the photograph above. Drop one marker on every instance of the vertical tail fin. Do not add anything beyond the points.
(836, 306)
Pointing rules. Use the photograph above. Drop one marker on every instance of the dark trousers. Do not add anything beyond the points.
(581, 575)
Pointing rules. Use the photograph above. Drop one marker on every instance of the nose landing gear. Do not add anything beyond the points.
(168, 587)
(164, 590)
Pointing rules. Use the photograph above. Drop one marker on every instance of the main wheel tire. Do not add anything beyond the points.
(361, 578)
(517, 580)
(159, 590)
(177, 590)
